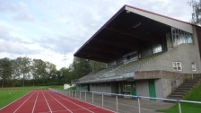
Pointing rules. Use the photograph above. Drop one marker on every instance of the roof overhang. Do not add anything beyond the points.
(127, 31)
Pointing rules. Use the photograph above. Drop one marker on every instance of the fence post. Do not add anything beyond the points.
(117, 105)
(92, 97)
(80, 95)
(85, 96)
(102, 98)
(138, 100)
(179, 106)
(75, 94)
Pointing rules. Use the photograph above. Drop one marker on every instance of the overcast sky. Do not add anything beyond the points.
(52, 29)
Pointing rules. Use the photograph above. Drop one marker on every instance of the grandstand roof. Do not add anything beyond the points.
(127, 31)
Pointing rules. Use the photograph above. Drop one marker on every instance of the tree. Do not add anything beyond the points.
(6, 67)
(16, 70)
(196, 15)
(50, 70)
(65, 74)
(81, 67)
(25, 67)
(39, 70)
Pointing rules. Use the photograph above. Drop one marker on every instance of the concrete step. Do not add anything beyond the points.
(183, 89)
(187, 85)
(179, 93)
(191, 81)
(175, 96)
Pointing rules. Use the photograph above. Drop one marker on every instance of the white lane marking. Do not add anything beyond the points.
(60, 103)
(74, 103)
(47, 103)
(35, 103)
(24, 102)
(83, 101)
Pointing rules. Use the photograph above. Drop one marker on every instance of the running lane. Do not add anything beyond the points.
(77, 106)
(45, 101)
(54, 104)
(40, 104)
(27, 106)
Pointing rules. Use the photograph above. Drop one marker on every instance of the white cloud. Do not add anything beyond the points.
(18, 11)
(50, 29)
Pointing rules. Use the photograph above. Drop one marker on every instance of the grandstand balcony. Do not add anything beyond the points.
(121, 72)
(147, 53)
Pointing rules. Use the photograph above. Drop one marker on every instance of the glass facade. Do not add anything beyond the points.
(157, 48)
(180, 37)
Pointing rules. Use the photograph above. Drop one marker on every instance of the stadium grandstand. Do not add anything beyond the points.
(147, 54)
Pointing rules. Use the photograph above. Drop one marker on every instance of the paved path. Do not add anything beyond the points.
(126, 105)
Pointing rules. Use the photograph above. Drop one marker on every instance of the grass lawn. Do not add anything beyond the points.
(61, 87)
(8, 96)
(194, 95)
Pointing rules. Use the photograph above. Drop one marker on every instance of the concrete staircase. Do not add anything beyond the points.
(184, 88)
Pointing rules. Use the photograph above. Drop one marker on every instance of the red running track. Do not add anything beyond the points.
(46, 101)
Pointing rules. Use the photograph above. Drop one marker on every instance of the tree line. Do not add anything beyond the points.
(24, 71)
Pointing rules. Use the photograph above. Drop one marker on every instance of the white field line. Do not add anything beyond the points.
(24, 102)
(74, 103)
(13, 101)
(35, 103)
(60, 103)
(47, 103)
(85, 102)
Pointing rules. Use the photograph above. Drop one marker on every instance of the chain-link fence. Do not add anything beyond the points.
(128, 103)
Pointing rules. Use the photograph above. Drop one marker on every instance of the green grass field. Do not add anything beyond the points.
(8, 96)
(194, 95)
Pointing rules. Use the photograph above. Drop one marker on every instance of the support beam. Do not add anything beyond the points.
(134, 34)
(97, 55)
(118, 44)
(104, 49)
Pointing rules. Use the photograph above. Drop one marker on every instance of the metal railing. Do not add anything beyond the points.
(125, 103)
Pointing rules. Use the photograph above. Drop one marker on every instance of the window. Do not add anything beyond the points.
(133, 56)
(180, 37)
(127, 86)
(157, 48)
(193, 66)
(177, 66)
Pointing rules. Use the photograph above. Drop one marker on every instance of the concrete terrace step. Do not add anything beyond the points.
(179, 93)
(183, 85)
(176, 97)
(184, 91)
(184, 88)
